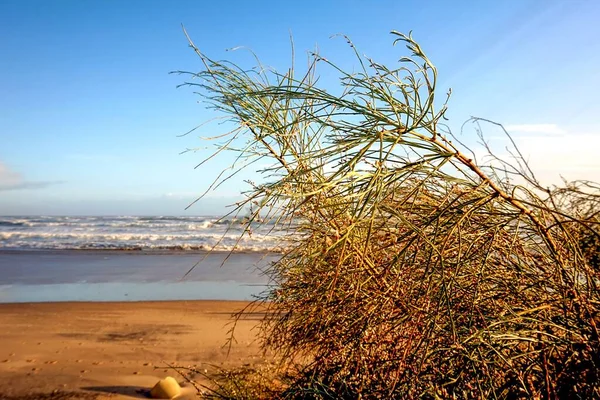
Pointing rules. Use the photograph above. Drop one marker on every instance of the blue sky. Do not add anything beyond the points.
(90, 116)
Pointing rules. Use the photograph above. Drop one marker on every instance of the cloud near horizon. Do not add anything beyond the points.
(11, 180)
(553, 153)
(8, 177)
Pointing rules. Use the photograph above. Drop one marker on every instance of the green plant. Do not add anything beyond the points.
(412, 270)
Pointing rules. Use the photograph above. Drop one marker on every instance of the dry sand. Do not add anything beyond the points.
(112, 350)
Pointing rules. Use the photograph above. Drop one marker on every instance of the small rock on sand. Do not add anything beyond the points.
(165, 389)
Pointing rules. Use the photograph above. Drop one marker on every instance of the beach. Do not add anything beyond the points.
(116, 350)
(103, 307)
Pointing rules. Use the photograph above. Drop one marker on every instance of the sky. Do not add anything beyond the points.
(91, 120)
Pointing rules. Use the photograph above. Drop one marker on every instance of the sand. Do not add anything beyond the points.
(115, 350)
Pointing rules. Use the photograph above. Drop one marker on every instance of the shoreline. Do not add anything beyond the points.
(43, 276)
(71, 266)
(141, 251)
(129, 292)
(117, 349)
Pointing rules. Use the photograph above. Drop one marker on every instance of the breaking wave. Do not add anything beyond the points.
(136, 233)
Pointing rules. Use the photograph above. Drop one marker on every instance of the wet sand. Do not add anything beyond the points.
(51, 276)
(115, 350)
(73, 266)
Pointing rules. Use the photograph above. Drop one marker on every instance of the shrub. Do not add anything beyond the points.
(412, 270)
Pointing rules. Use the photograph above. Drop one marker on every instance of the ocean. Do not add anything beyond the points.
(134, 233)
(133, 258)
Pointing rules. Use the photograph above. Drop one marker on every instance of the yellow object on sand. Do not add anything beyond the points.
(166, 389)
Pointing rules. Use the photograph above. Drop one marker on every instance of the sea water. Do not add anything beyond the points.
(126, 258)
(136, 233)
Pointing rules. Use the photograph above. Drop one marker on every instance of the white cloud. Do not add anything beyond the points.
(552, 153)
(549, 129)
(11, 180)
